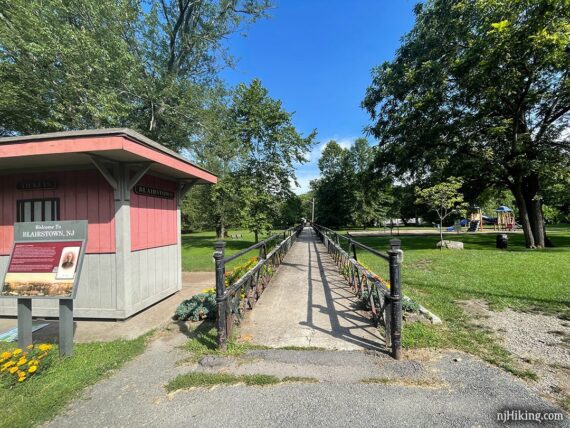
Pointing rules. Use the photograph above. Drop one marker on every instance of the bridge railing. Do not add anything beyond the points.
(384, 297)
(234, 299)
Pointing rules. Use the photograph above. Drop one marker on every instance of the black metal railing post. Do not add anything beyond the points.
(219, 253)
(395, 296)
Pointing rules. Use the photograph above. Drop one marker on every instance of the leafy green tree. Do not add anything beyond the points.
(333, 195)
(72, 64)
(271, 146)
(307, 205)
(444, 199)
(479, 89)
(180, 43)
(370, 191)
(349, 191)
(290, 212)
(66, 64)
(403, 204)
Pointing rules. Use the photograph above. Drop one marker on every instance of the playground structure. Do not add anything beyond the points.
(505, 218)
(476, 220)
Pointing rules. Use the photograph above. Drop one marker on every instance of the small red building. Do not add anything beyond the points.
(127, 187)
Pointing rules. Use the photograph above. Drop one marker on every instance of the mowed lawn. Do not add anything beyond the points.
(198, 249)
(519, 278)
(522, 279)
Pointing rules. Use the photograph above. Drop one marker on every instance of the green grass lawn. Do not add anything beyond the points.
(197, 249)
(41, 397)
(529, 280)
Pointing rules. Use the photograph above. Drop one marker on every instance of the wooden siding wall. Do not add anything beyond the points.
(153, 220)
(154, 275)
(84, 195)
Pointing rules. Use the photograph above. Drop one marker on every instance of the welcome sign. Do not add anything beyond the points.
(46, 259)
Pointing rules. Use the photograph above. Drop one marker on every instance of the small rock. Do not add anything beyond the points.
(211, 361)
(452, 245)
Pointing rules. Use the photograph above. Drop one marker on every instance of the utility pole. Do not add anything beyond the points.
(313, 215)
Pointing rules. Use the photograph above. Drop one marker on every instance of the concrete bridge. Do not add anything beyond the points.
(309, 304)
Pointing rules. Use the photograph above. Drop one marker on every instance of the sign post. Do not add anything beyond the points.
(45, 263)
(24, 322)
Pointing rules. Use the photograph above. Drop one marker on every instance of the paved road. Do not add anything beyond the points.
(434, 391)
(308, 303)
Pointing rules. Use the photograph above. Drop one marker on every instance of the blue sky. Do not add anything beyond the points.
(316, 56)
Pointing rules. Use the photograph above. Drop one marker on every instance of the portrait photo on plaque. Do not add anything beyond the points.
(68, 263)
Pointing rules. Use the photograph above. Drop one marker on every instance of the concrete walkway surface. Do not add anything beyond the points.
(308, 303)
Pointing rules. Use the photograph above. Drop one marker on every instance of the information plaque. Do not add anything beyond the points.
(45, 263)
(46, 260)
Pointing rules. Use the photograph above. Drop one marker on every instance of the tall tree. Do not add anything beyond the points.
(350, 191)
(333, 195)
(371, 197)
(65, 64)
(480, 89)
(272, 146)
(180, 43)
(151, 66)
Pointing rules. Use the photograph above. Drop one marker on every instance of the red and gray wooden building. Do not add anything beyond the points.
(127, 187)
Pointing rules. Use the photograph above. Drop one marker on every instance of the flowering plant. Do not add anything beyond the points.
(234, 275)
(19, 364)
(378, 278)
(203, 305)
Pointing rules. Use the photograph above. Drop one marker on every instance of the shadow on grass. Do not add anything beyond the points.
(207, 243)
(524, 302)
(204, 334)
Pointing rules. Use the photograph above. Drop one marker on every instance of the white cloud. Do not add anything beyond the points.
(344, 142)
(304, 184)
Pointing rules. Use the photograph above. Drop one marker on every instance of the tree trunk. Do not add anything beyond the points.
(534, 204)
(523, 213)
(256, 233)
(441, 233)
(526, 193)
(220, 230)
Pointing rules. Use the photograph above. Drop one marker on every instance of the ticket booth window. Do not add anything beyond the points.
(37, 210)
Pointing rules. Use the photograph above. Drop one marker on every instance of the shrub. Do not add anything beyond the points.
(410, 305)
(203, 305)
(198, 307)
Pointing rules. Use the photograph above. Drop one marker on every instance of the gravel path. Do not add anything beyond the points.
(539, 342)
